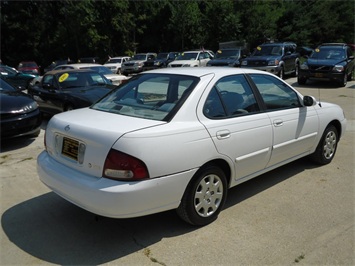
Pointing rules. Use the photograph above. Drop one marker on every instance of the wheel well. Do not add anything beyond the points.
(223, 165)
(337, 125)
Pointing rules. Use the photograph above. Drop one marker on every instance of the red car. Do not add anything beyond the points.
(29, 67)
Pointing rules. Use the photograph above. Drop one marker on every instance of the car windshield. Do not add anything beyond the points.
(8, 70)
(149, 96)
(162, 56)
(28, 64)
(68, 80)
(139, 57)
(114, 60)
(225, 54)
(328, 53)
(268, 50)
(101, 69)
(187, 56)
(4, 86)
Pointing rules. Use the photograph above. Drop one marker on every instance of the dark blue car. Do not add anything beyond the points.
(329, 61)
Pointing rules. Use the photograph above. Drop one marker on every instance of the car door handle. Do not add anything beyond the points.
(223, 134)
(278, 123)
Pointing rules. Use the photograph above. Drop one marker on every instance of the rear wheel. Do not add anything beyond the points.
(327, 146)
(204, 197)
(301, 81)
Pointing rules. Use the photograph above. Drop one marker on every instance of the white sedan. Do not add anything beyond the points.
(179, 138)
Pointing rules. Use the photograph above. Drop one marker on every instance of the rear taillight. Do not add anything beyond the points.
(121, 166)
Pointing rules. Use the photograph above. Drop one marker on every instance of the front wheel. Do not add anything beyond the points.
(301, 81)
(327, 146)
(282, 73)
(204, 197)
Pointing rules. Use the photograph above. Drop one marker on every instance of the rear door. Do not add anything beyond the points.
(238, 129)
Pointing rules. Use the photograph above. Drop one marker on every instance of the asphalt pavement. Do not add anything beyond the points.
(299, 214)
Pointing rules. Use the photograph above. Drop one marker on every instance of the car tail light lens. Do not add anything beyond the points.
(121, 166)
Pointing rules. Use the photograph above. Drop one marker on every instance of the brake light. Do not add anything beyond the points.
(121, 166)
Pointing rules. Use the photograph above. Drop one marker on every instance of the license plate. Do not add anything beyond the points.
(70, 148)
(318, 75)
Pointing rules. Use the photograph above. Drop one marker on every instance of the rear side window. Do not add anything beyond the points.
(231, 96)
(275, 93)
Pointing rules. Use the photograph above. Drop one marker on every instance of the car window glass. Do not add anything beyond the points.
(231, 96)
(150, 96)
(48, 79)
(275, 93)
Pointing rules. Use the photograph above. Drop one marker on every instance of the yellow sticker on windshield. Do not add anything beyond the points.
(63, 77)
(259, 48)
(317, 50)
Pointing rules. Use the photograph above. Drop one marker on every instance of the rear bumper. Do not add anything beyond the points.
(110, 198)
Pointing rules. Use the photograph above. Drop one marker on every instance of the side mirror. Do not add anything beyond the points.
(309, 101)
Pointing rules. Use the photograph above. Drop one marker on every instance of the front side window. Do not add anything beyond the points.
(275, 93)
(149, 96)
(231, 96)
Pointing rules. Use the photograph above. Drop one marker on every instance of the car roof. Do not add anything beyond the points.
(78, 65)
(53, 72)
(202, 71)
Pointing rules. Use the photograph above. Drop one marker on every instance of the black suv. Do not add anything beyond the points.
(329, 61)
(229, 57)
(278, 58)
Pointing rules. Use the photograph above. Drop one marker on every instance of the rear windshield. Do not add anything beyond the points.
(149, 96)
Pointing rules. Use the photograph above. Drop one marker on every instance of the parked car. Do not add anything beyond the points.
(68, 89)
(163, 59)
(114, 78)
(329, 61)
(192, 59)
(20, 115)
(15, 77)
(278, 58)
(29, 67)
(115, 63)
(55, 64)
(230, 57)
(139, 63)
(89, 60)
(179, 138)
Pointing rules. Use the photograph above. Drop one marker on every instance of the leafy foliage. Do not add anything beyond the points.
(48, 30)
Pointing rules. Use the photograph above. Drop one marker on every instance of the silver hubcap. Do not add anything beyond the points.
(208, 195)
(329, 145)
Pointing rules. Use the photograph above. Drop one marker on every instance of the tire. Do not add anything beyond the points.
(301, 81)
(204, 197)
(344, 81)
(327, 146)
(295, 73)
(350, 76)
(68, 107)
(282, 73)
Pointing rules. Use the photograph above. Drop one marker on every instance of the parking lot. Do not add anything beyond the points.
(298, 214)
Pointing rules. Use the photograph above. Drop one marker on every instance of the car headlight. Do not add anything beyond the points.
(304, 67)
(338, 68)
(244, 63)
(26, 109)
(273, 63)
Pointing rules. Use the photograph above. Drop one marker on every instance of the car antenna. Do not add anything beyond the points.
(319, 101)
